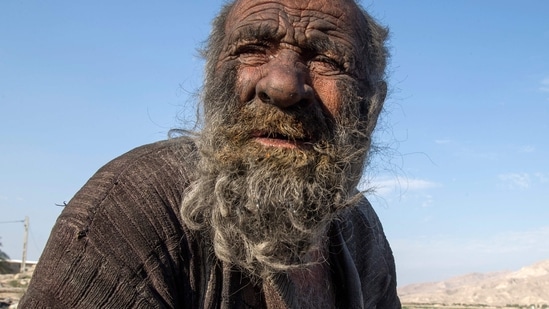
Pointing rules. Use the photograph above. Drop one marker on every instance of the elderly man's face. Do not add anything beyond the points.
(284, 139)
(292, 55)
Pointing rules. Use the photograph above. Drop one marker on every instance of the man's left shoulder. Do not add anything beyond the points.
(363, 220)
(366, 240)
(371, 254)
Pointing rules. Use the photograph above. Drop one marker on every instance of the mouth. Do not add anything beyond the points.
(280, 140)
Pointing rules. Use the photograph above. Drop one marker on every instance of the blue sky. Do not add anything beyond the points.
(462, 179)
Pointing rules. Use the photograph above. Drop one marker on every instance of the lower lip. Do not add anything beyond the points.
(279, 143)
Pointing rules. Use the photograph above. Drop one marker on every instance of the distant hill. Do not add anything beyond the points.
(527, 286)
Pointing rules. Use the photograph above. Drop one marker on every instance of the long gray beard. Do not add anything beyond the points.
(262, 208)
(266, 219)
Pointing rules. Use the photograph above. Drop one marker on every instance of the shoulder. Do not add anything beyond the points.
(140, 188)
(176, 155)
(361, 225)
(120, 238)
(164, 167)
(371, 254)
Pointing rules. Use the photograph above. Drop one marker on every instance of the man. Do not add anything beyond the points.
(260, 209)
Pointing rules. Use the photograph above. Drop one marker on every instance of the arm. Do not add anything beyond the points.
(119, 243)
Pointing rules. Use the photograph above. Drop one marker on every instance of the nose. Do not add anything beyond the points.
(285, 83)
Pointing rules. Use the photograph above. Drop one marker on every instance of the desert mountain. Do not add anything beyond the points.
(527, 286)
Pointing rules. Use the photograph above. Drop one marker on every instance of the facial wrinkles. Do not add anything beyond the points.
(309, 29)
(296, 24)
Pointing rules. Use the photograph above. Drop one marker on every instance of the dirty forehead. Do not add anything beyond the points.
(295, 22)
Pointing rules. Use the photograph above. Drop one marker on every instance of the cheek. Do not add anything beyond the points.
(329, 94)
(246, 81)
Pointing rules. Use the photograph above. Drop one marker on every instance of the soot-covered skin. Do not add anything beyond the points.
(292, 54)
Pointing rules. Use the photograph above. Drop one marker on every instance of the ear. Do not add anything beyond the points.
(376, 105)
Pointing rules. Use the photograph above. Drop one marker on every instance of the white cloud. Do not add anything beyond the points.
(520, 181)
(542, 177)
(527, 149)
(428, 202)
(534, 240)
(385, 186)
(544, 85)
(420, 184)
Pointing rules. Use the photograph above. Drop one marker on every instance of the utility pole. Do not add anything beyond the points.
(25, 239)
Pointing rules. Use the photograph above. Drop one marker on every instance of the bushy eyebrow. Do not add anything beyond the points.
(314, 44)
(260, 33)
(322, 44)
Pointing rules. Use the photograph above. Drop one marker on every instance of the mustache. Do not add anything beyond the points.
(309, 124)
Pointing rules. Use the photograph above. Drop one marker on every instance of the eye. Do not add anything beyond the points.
(325, 65)
(252, 54)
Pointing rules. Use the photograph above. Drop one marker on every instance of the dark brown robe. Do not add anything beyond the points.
(120, 243)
